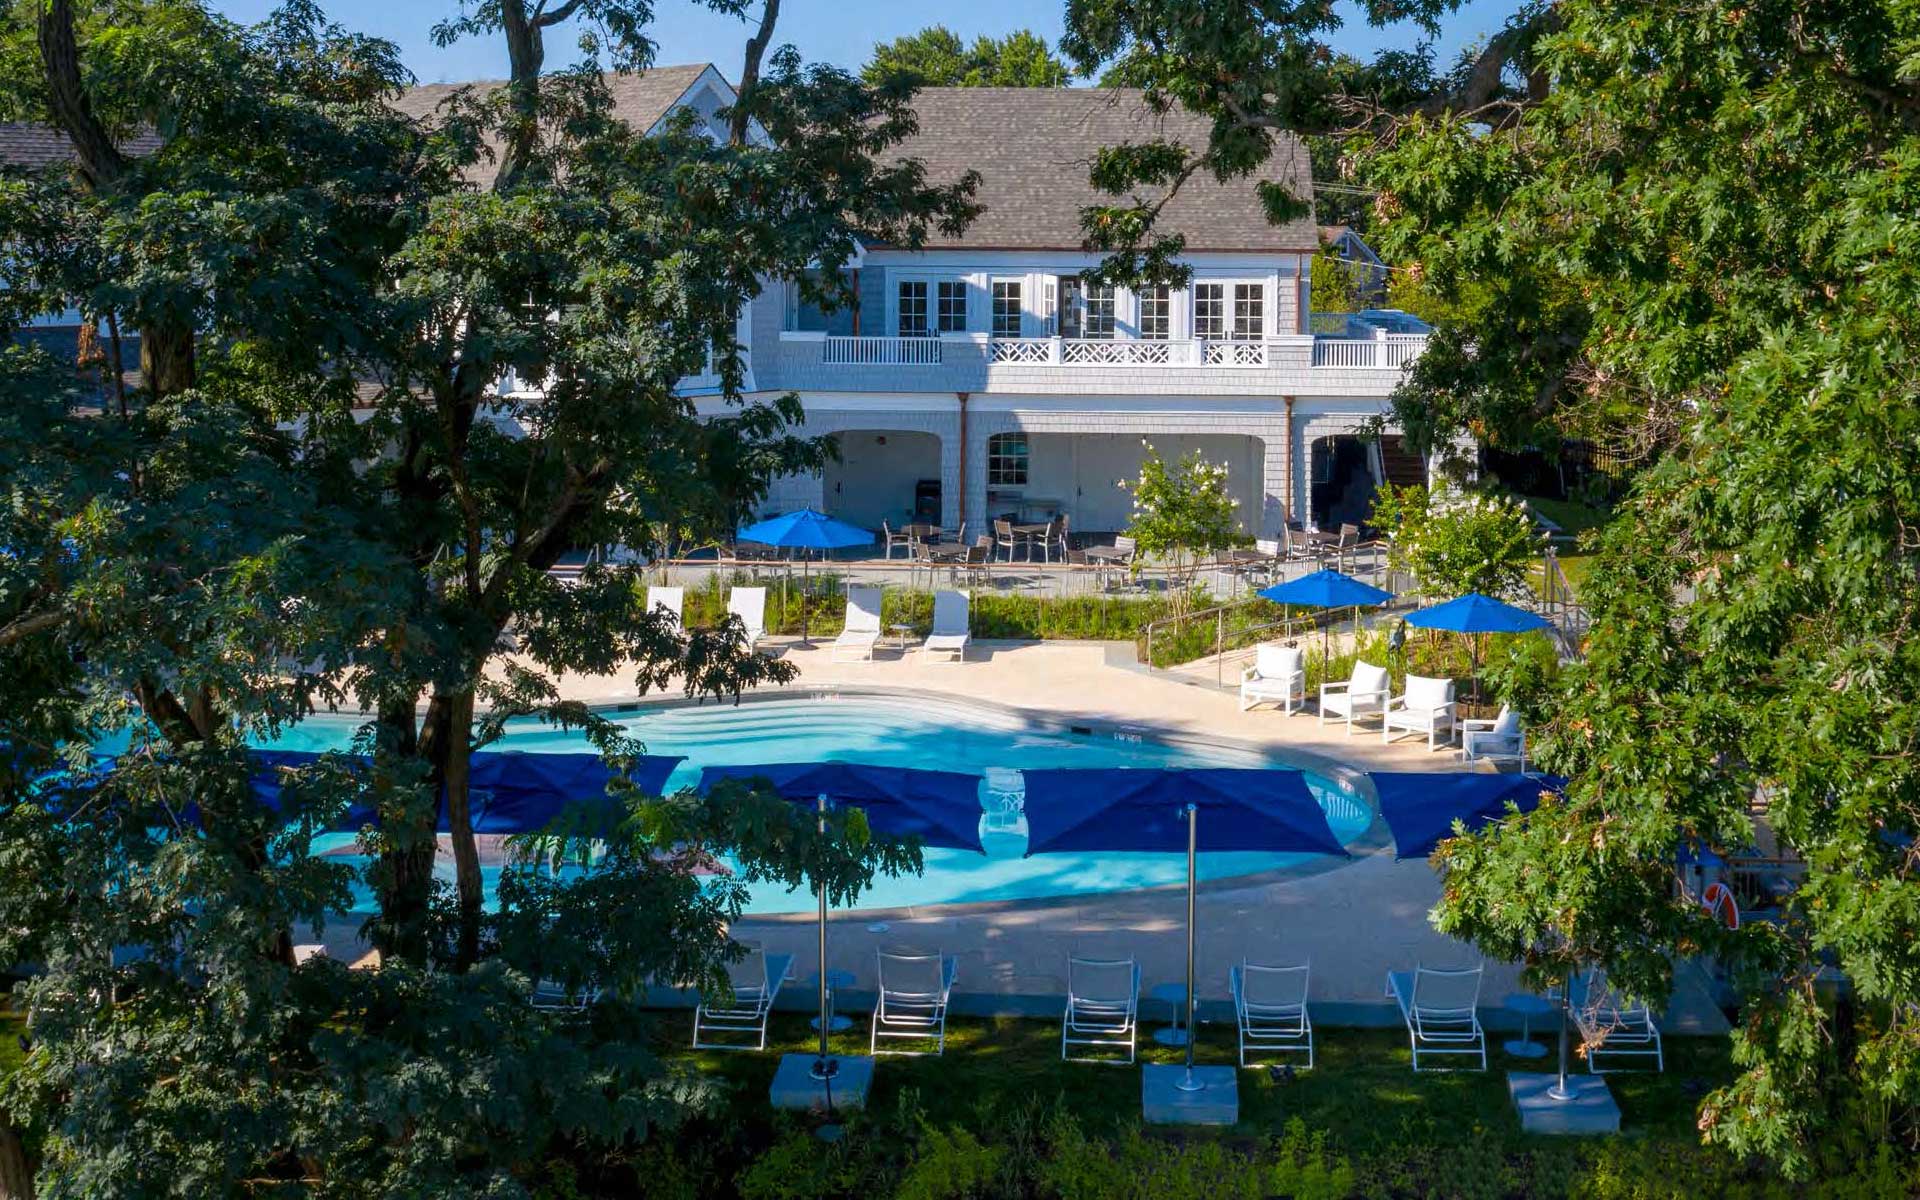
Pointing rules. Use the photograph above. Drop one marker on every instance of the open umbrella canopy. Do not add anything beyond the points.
(1325, 589)
(510, 791)
(806, 530)
(1475, 613)
(1421, 807)
(941, 808)
(1123, 808)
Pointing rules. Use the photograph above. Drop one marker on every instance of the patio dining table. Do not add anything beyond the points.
(1035, 535)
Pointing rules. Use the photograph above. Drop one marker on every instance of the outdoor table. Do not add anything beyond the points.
(1528, 1006)
(1175, 996)
(1035, 534)
(941, 551)
(835, 981)
(1108, 553)
(902, 633)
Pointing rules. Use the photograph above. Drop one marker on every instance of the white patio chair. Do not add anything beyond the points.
(1613, 1025)
(756, 980)
(1441, 1009)
(1498, 740)
(1427, 707)
(1103, 1007)
(1271, 1003)
(952, 626)
(912, 1004)
(750, 605)
(1279, 674)
(862, 632)
(672, 599)
(1363, 694)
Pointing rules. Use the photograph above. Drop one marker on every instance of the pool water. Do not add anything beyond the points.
(906, 732)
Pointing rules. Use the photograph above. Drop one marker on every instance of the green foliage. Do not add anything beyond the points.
(1453, 544)
(1335, 285)
(936, 57)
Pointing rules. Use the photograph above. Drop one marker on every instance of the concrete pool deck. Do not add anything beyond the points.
(1354, 921)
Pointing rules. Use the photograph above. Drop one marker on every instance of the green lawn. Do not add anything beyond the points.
(1362, 1089)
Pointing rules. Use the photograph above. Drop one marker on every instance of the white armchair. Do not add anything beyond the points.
(1427, 707)
(1279, 674)
(1498, 740)
(1364, 694)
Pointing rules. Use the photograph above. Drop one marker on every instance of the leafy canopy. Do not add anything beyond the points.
(936, 57)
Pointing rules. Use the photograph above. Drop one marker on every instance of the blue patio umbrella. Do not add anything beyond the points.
(1120, 808)
(1421, 807)
(941, 808)
(1327, 588)
(510, 791)
(806, 529)
(1476, 614)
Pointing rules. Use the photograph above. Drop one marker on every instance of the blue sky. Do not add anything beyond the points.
(836, 31)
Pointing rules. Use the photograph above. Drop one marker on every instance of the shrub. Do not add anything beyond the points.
(1183, 515)
(1453, 544)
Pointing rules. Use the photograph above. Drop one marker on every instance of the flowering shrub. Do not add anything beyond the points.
(1452, 543)
(1183, 515)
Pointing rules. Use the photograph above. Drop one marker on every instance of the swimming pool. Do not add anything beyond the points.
(908, 731)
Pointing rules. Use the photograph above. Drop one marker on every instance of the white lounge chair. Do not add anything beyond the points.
(1271, 1003)
(1427, 707)
(1103, 1007)
(1613, 1025)
(750, 605)
(550, 995)
(1363, 694)
(756, 981)
(862, 633)
(951, 626)
(1279, 674)
(1441, 1009)
(1498, 740)
(912, 1004)
(672, 599)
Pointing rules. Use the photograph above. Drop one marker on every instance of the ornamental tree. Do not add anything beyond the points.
(1183, 515)
(936, 57)
(1453, 543)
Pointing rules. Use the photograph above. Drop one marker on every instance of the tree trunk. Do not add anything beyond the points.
(526, 52)
(750, 72)
(406, 886)
(166, 359)
(466, 855)
(16, 1172)
(98, 158)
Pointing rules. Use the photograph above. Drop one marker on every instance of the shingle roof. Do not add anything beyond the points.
(1033, 147)
(640, 98)
(36, 147)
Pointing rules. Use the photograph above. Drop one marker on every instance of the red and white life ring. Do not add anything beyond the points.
(1718, 900)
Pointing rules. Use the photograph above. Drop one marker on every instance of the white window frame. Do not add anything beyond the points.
(1000, 462)
(1230, 308)
(942, 290)
(898, 314)
(1019, 284)
(1164, 295)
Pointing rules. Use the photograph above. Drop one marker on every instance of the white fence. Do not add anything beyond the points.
(1393, 351)
(1126, 352)
(882, 351)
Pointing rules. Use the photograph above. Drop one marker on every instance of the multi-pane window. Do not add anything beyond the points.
(1155, 313)
(913, 308)
(1249, 312)
(1006, 308)
(951, 306)
(1209, 310)
(1007, 460)
(1099, 304)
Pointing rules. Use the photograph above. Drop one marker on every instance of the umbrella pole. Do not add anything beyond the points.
(806, 593)
(823, 1067)
(1193, 827)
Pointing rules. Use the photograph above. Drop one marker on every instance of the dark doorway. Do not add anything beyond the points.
(1343, 482)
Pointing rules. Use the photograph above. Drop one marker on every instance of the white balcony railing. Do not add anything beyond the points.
(1393, 350)
(1125, 352)
(882, 351)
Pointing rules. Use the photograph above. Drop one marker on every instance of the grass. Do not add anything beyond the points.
(1362, 1088)
(1571, 516)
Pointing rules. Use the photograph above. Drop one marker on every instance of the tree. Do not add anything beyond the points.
(936, 57)
(238, 547)
(1453, 544)
(1183, 515)
(1735, 304)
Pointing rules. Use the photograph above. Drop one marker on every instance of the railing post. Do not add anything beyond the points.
(1053, 350)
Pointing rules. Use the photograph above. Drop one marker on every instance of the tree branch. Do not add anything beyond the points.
(100, 161)
(750, 70)
(547, 20)
(21, 628)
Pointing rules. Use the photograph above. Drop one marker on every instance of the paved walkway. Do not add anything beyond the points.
(1354, 921)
